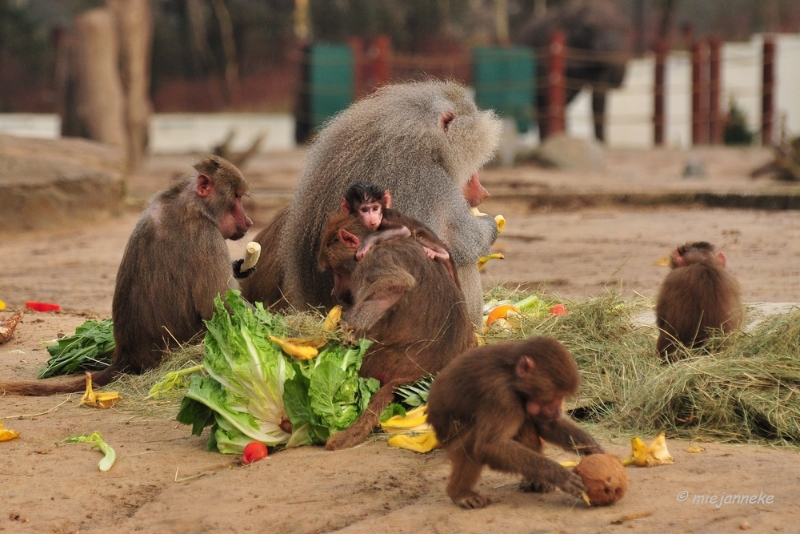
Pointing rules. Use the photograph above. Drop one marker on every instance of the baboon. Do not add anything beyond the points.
(175, 263)
(406, 303)
(494, 404)
(423, 141)
(697, 297)
(372, 204)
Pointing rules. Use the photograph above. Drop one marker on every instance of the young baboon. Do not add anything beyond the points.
(698, 296)
(372, 204)
(494, 404)
(406, 303)
(423, 141)
(175, 263)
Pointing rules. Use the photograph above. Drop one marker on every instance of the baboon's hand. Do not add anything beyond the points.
(237, 270)
(569, 482)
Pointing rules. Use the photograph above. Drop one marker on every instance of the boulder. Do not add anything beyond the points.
(47, 183)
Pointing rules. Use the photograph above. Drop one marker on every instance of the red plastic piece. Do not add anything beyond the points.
(42, 306)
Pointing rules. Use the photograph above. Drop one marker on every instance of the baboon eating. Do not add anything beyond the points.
(175, 263)
(494, 404)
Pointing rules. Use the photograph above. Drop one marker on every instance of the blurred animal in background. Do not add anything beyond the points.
(600, 35)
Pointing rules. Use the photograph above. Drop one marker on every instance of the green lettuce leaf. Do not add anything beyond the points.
(253, 387)
(89, 349)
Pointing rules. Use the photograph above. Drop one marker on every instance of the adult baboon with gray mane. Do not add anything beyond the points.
(423, 141)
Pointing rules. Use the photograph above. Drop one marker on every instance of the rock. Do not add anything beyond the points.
(46, 183)
(570, 154)
(694, 169)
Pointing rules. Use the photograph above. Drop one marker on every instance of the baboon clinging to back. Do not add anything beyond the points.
(424, 142)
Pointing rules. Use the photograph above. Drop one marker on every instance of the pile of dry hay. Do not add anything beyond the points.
(743, 388)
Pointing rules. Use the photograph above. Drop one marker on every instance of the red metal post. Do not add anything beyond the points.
(714, 90)
(380, 54)
(662, 48)
(699, 94)
(556, 122)
(768, 91)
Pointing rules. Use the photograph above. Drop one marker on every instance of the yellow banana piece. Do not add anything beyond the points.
(316, 342)
(485, 259)
(332, 319)
(405, 423)
(422, 443)
(298, 351)
(6, 434)
(501, 222)
(418, 411)
(649, 455)
(98, 400)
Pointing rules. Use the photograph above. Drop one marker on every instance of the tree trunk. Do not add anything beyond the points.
(134, 23)
(93, 72)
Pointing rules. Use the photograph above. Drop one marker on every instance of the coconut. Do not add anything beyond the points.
(604, 477)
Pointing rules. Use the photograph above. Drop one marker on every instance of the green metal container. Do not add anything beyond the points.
(331, 81)
(504, 78)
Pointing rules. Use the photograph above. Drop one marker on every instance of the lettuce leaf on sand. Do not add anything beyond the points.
(90, 348)
(255, 392)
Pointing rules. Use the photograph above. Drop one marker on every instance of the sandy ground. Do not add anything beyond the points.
(164, 480)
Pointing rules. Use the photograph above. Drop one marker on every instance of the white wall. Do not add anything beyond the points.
(629, 109)
(177, 133)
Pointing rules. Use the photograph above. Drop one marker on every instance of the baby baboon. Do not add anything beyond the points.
(494, 404)
(372, 204)
(698, 296)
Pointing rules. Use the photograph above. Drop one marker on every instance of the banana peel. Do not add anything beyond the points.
(332, 319)
(422, 443)
(649, 455)
(501, 222)
(483, 260)
(6, 434)
(98, 400)
(300, 348)
(415, 420)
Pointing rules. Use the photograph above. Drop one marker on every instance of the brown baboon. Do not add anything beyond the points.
(372, 204)
(175, 263)
(406, 303)
(493, 405)
(698, 296)
(423, 141)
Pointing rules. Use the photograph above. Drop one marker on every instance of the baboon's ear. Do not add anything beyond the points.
(348, 239)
